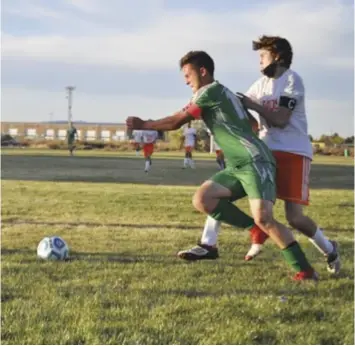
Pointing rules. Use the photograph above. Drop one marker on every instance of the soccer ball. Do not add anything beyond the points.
(53, 248)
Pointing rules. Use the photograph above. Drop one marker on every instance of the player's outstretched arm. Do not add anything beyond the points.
(170, 123)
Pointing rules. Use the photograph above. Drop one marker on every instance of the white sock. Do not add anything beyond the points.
(191, 163)
(321, 242)
(210, 232)
(147, 166)
(185, 162)
(254, 250)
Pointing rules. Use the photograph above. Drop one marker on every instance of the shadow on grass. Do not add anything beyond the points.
(130, 170)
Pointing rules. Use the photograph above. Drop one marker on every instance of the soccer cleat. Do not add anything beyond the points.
(199, 252)
(309, 274)
(333, 259)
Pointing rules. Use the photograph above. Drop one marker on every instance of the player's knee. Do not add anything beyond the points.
(264, 219)
(294, 218)
(201, 202)
(198, 201)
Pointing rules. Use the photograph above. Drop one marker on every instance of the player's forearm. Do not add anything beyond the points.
(276, 118)
(166, 124)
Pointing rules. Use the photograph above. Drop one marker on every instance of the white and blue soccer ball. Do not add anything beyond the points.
(53, 248)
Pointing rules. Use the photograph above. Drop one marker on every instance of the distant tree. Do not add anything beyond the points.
(336, 139)
(175, 137)
(349, 140)
(311, 138)
(332, 139)
(323, 138)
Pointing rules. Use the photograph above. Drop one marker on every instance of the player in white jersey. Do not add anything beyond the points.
(149, 137)
(189, 138)
(219, 154)
(137, 140)
(279, 99)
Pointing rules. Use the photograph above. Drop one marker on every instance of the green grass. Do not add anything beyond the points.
(124, 285)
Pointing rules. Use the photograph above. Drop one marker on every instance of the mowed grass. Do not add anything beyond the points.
(124, 284)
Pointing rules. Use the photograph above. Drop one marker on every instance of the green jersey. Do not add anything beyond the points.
(226, 118)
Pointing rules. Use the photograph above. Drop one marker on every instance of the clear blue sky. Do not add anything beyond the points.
(122, 55)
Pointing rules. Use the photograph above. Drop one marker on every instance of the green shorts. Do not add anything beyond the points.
(255, 180)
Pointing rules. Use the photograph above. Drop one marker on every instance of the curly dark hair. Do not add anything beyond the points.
(199, 59)
(277, 46)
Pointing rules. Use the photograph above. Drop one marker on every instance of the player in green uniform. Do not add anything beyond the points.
(250, 165)
(71, 133)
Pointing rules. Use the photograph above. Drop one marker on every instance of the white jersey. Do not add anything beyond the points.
(149, 136)
(137, 136)
(190, 136)
(215, 146)
(294, 137)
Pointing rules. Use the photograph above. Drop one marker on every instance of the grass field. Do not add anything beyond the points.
(123, 283)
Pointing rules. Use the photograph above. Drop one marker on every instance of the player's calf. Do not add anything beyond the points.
(283, 237)
(186, 160)
(148, 163)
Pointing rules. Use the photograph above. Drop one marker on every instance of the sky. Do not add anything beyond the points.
(122, 55)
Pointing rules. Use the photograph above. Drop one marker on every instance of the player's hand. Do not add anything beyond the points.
(247, 101)
(134, 123)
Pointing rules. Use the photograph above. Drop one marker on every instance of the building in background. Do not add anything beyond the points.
(57, 130)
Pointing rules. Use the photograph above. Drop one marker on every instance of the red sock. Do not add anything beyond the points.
(257, 235)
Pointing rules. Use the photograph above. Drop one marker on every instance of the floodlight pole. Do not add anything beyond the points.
(70, 90)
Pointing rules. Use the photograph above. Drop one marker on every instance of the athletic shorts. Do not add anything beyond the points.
(148, 149)
(255, 180)
(292, 177)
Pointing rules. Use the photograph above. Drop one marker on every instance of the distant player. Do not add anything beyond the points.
(189, 138)
(71, 134)
(149, 138)
(219, 154)
(137, 140)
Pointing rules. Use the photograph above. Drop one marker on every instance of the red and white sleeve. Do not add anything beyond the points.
(194, 110)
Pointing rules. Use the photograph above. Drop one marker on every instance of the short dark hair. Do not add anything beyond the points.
(199, 59)
(277, 46)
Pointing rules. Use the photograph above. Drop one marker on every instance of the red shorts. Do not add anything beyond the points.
(148, 149)
(292, 177)
(188, 149)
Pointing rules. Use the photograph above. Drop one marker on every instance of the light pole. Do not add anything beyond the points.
(70, 90)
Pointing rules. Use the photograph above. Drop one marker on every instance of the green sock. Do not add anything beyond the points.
(227, 212)
(295, 257)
